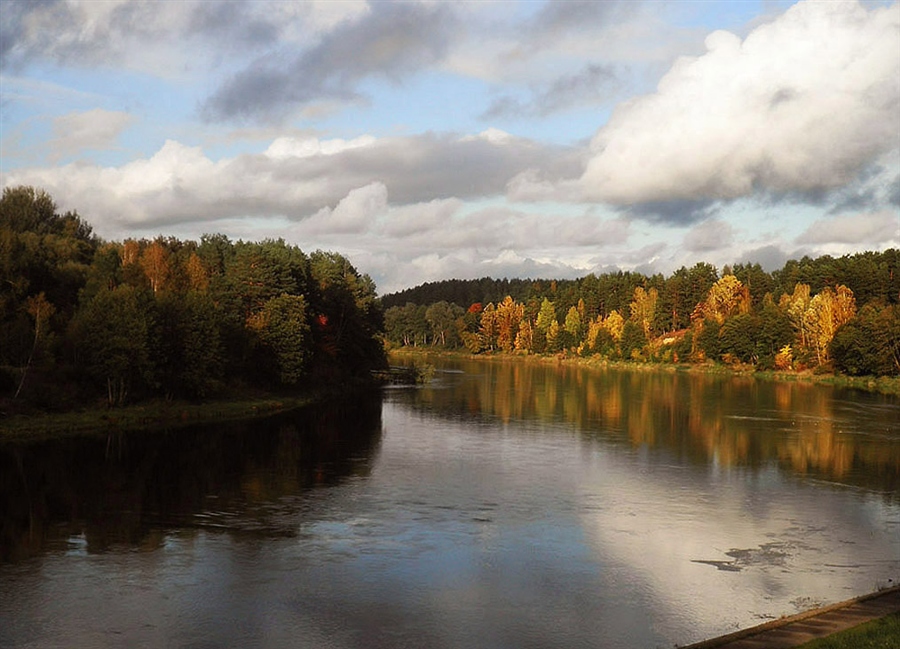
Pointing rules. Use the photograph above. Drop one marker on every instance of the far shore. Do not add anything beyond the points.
(167, 415)
(882, 385)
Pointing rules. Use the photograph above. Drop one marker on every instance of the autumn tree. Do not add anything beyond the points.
(573, 328)
(40, 310)
(198, 276)
(643, 308)
(156, 264)
(727, 297)
(490, 327)
(826, 312)
(795, 305)
(509, 316)
(525, 336)
(546, 317)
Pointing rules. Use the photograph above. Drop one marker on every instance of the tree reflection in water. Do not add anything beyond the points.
(128, 489)
(733, 421)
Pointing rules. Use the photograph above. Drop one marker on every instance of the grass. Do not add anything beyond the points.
(883, 633)
(145, 416)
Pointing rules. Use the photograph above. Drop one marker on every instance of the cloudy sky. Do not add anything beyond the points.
(428, 140)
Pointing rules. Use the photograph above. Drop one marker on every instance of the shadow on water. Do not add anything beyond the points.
(127, 490)
(807, 430)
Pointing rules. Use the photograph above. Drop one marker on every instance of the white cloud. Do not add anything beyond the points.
(353, 214)
(879, 228)
(709, 235)
(93, 129)
(293, 147)
(803, 103)
(294, 177)
(419, 219)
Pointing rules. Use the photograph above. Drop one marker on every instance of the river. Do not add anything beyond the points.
(504, 505)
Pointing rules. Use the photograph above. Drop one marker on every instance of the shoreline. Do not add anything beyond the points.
(886, 385)
(148, 415)
(791, 631)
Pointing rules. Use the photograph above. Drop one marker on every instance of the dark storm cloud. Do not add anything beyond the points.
(674, 212)
(69, 34)
(17, 44)
(391, 41)
(565, 92)
(232, 22)
(558, 17)
(894, 193)
(873, 189)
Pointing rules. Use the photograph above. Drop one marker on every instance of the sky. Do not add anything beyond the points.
(428, 140)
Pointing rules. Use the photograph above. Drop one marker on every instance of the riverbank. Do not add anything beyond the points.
(157, 414)
(881, 385)
(800, 629)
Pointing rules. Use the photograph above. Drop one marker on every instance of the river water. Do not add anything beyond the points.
(506, 504)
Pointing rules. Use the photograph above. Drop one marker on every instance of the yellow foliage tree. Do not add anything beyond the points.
(196, 272)
(525, 337)
(615, 325)
(508, 317)
(826, 312)
(643, 308)
(595, 326)
(155, 262)
(488, 330)
(796, 305)
(727, 297)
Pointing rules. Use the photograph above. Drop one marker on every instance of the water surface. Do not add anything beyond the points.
(506, 504)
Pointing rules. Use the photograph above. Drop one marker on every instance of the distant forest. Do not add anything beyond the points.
(827, 314)
(87, 321)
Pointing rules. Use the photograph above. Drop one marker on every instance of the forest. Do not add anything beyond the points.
(85, 321)
(825, 314)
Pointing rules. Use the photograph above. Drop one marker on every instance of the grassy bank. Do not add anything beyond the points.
(147, 415)
(883, 384)
(883, 633)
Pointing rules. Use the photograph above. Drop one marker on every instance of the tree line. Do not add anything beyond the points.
(828, 314)
(83, 319)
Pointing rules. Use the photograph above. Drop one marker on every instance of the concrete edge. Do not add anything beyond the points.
(783, 621)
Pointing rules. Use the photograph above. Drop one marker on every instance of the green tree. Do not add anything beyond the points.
(112, 338)
(574, 327)
(706, 339)
(773, 333)
(738, 338)
(869, 343)
(442, 316)
(40, 310)
(347, 317)
(283, 329)
(189, 359)
(633, 340)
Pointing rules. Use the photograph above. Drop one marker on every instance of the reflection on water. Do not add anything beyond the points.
(505, 505)
(123, 490)
(815, 430)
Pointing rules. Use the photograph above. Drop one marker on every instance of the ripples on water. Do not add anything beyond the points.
(505, 505)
